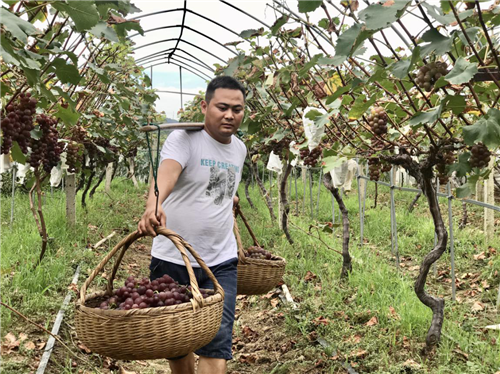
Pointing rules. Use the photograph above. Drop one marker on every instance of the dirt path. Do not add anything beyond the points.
(261, 342)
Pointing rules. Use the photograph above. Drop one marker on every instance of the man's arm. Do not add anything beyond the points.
(168, 174)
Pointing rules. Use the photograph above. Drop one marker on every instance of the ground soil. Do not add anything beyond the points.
(261, 340)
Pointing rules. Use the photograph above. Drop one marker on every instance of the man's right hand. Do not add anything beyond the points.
(149, 220)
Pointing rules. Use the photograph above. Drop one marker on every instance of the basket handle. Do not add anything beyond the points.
(241, 252)
(238, 211)
(179, 243)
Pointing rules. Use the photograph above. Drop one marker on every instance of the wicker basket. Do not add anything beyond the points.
(256, 276)
(150, 333)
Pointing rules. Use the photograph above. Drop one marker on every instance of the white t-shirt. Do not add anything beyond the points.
(200, 205)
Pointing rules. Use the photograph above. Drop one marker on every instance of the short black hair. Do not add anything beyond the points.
(223, 81)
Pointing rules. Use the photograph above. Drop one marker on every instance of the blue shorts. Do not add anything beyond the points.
(226, 274)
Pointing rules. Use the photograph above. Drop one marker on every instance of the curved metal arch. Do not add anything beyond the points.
(182, 62)
(182, 40)
(190, 11)
(162, 56)
(163, 63)
(189, 28)
(167, 50)
(161, 53)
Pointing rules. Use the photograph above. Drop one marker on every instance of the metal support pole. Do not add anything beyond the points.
(296, 194)
(180, 80)
(360, 211)
(151, 73)
(394, 230)
(311, 193)
(319, 191)
(452, 247)
(271, 185)
(14, 170)
(304, 195)
(434, 265)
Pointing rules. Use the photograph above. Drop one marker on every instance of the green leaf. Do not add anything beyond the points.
(360, 106)
(377, 16)
(65, 95)
(425, 117)
(278, 23)
(306, 6)
(4, 89)
(462, 72)
(454, 102)
(32, 76)
(462, 167)
(17, 154)
(485, 130)
(18, 27)
(400, 68)
(339, 92)
(251, 33)
(83, 13)
(67, 115)
(345, 43)
(122, 28)
(331, 162)
(36, 133)
(438, 15)
(463, 191)
(312, 62)
(437, 43)
(67, 73)
(471, 33)
(103, 30)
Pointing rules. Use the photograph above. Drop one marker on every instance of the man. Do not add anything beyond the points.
(197, 181)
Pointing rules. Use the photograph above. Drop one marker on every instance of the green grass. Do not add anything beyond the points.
(376, 285)
(374, 288)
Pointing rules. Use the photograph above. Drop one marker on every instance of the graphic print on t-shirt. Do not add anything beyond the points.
(221, 184)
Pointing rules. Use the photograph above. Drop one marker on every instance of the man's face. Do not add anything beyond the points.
(224, 113)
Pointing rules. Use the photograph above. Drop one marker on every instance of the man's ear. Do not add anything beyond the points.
(204, 106)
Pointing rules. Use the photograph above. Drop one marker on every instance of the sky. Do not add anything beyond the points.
(166, 77)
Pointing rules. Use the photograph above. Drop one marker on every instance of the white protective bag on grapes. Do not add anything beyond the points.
(274, 163)
(295, 151)
(343, 175)
(312, 132)
(55, 176)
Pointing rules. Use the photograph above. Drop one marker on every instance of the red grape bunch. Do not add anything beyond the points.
(428, 74)
(73, 156)
(259, 253)
(18, 122)
(378, 121)
(448, 159)
(141, 294)
(480, 156)
(311, 157)
(46, 150)
(374, 168)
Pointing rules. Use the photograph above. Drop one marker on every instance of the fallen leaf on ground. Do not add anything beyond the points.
(411, 364)
(480, 256)
(248, 359)
(23, 336)
(275, 302)
(372, 322)
(11, 343)
(477, 307)
(393, 313)
(84, 348)
(321, 321)
(358, 353)
(123, 371)
(29, 345)
(309, 276)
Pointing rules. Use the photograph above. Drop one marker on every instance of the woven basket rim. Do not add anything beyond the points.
(279, 262)
(152, 311)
